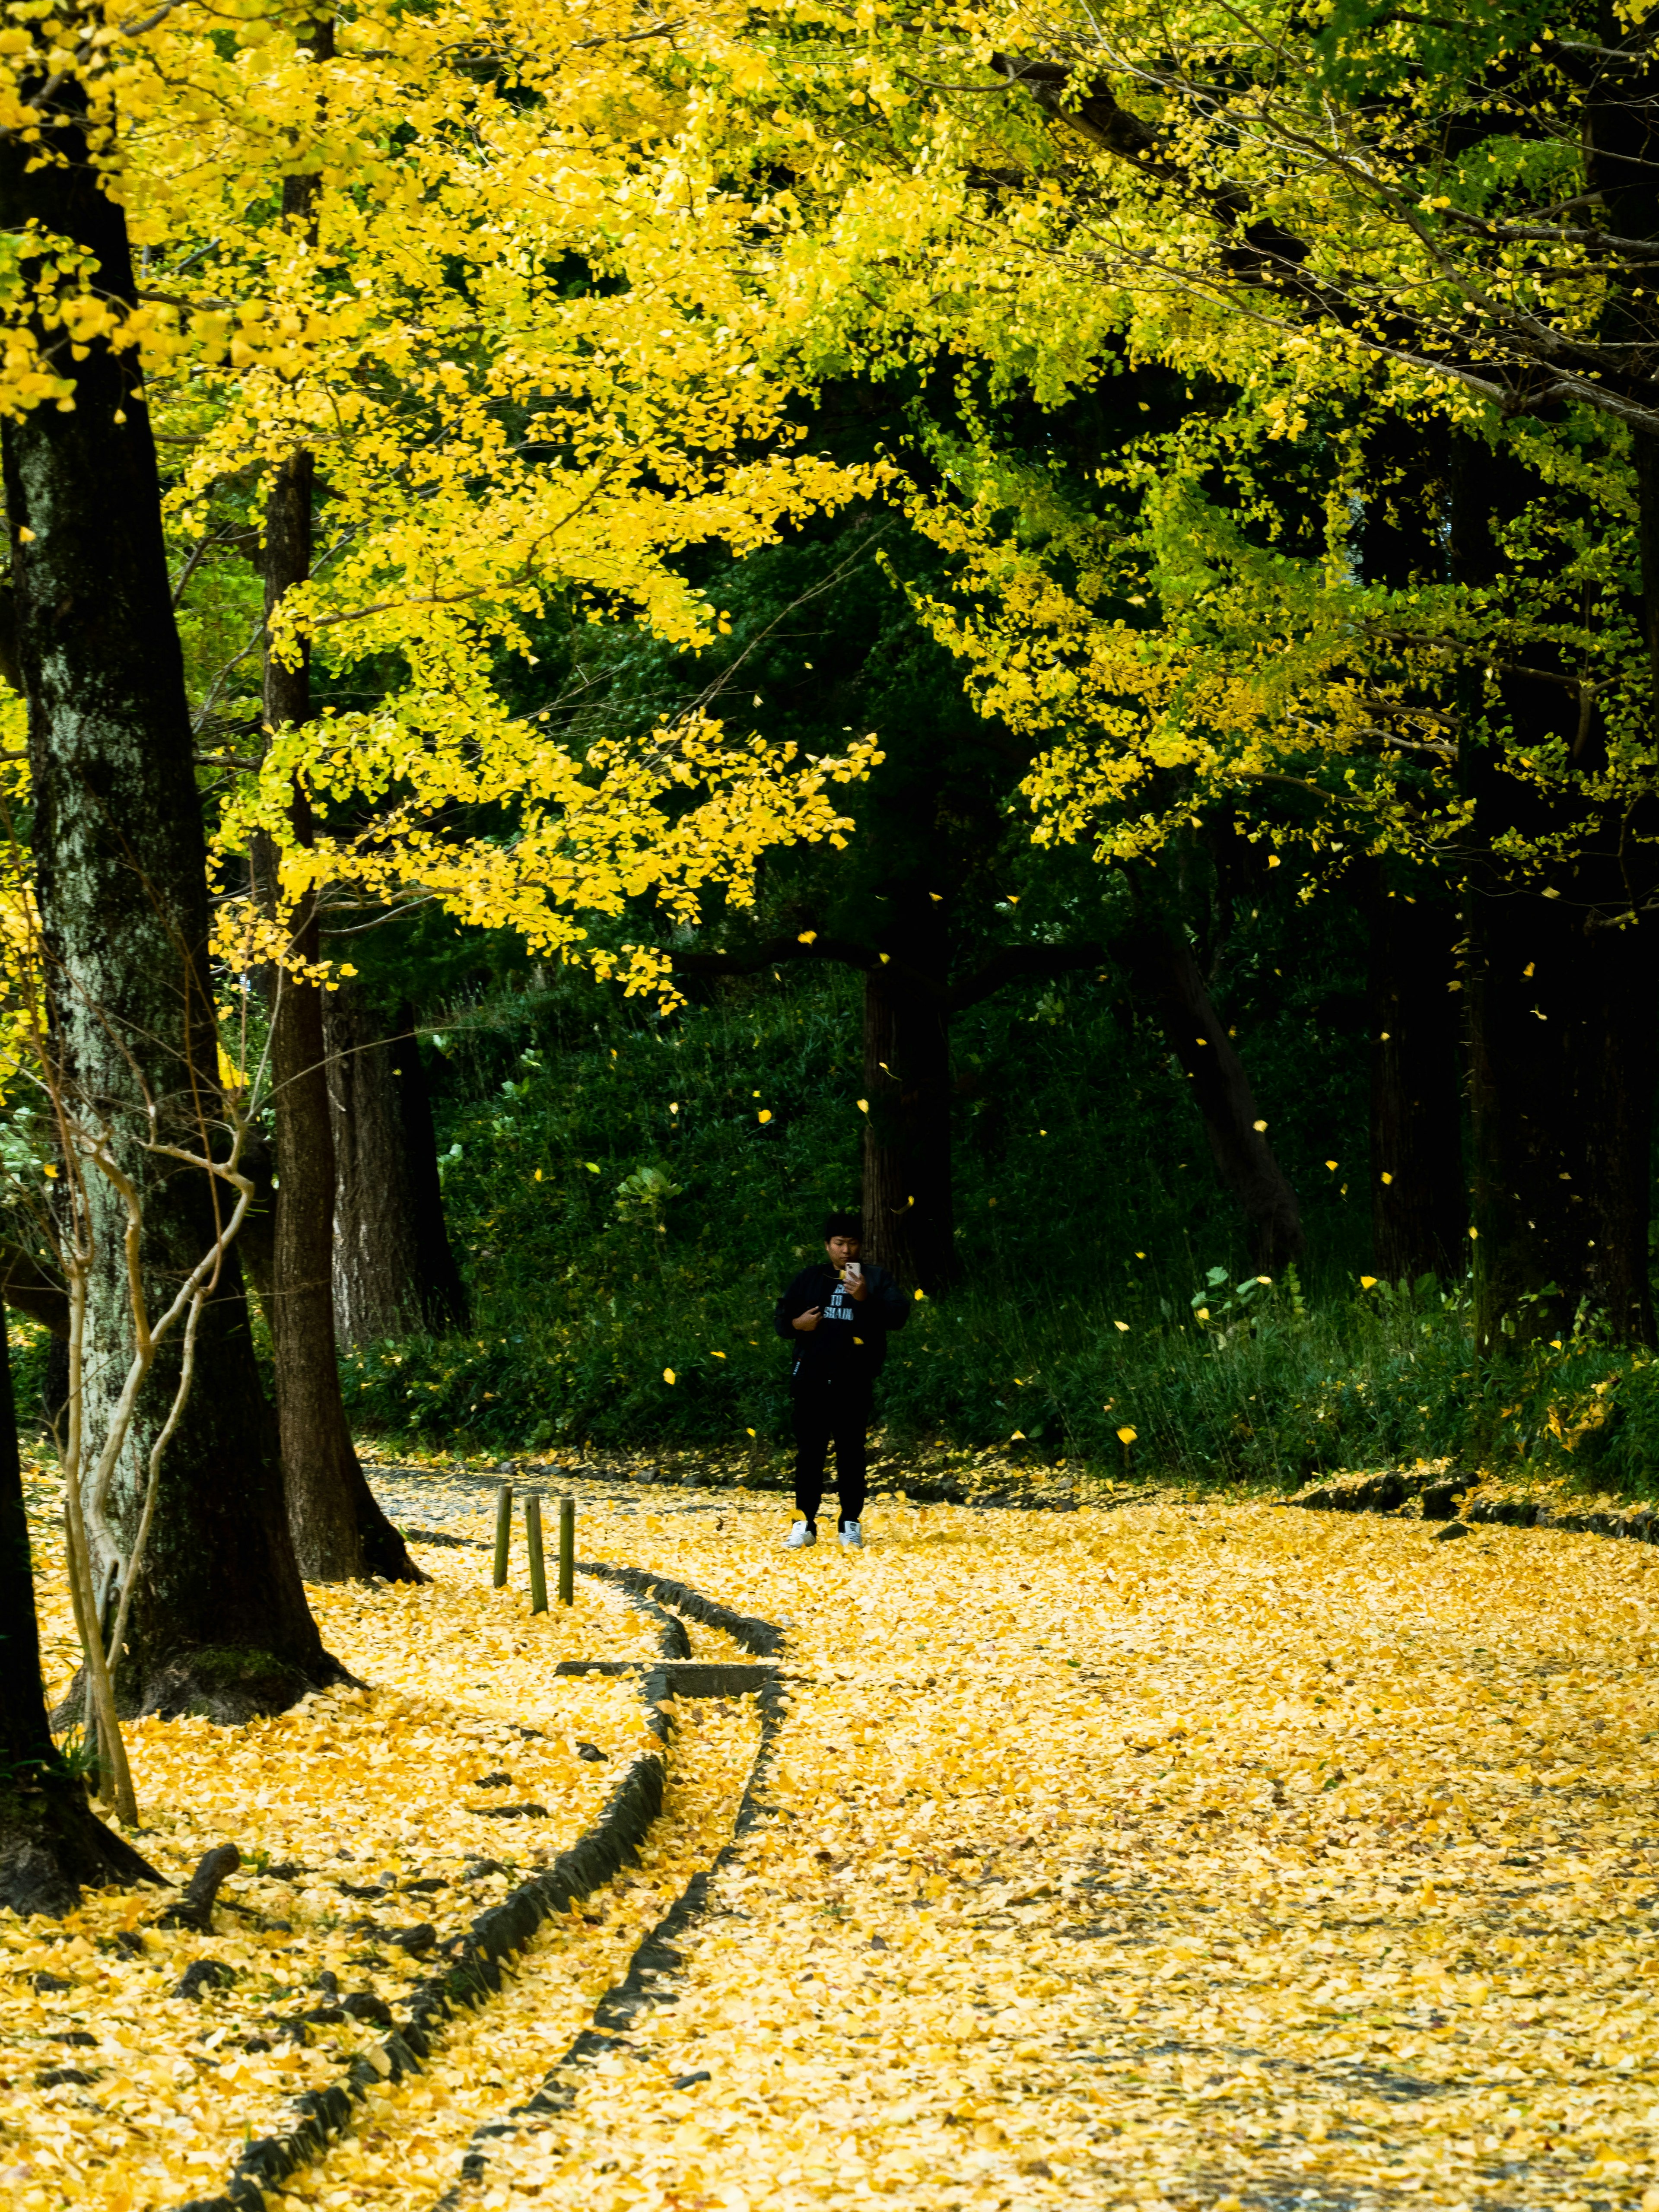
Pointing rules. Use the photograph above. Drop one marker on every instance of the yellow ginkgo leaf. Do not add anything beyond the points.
(667, 1374)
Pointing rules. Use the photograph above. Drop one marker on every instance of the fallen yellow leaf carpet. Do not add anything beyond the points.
(1178, 1855)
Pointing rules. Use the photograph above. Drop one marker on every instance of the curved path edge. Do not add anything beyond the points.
(473, 1975)
(655, 1956)
(763, 1638)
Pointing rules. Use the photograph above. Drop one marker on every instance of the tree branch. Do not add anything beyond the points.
(1017, 962)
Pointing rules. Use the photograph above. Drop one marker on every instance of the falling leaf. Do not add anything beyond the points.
(807, 937)
(1258, 1126)
(863, 1105)
(1331, 1164)
(1368, 1282)
(1125, 1435)
(667, 1374)
(765, 1114)
(1122, 1326)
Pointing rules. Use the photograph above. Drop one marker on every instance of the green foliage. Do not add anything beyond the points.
(1092, 1234)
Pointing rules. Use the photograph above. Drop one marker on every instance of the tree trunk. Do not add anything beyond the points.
(50, 1844)
(1563, 1017)
(1564, 998)
(28, 1288)
(1165, 973)
(394, 1270)
(219, 1620)
(339, 1529)
(1419, 1212)
(909, 1224)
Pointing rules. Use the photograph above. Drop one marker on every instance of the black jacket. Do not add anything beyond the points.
(851, 1337)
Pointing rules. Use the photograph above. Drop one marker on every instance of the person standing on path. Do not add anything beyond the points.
(838, 1315)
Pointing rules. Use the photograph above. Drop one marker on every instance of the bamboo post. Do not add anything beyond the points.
(533, 1542)
(503, 1531)
(566, 1551)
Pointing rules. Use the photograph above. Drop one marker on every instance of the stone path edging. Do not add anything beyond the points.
(473, 1974)
(763, 1638)
(1386, 1492)
(655, 1956)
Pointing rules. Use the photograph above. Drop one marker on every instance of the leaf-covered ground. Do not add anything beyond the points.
(1178, 1854)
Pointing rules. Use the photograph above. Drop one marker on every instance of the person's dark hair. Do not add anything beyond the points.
(843, 1225)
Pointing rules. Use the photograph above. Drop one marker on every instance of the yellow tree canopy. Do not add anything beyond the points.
(1343, 228)
(518, 328)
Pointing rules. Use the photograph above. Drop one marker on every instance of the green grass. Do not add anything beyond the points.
(623, 1215)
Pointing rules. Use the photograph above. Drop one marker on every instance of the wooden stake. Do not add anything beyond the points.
(532, 1540)
(503, 1531)
(566, 1551)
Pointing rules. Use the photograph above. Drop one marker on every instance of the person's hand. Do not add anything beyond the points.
(857, 1284)
(805, 1323)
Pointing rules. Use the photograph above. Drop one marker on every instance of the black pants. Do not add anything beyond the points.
(829, 1410)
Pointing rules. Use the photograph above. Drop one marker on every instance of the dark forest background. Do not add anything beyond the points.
(1106, 1237)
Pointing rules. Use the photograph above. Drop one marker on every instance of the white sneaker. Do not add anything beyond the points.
(852, 1536)
(803, 1533)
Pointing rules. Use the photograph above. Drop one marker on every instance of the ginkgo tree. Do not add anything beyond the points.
(500, 350)
(1351, 231)
(567, 408)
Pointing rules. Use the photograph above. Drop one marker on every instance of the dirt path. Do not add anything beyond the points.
(1230, 1857)
(1154, 1858)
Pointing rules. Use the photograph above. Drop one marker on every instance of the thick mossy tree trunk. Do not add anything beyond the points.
(339, 1531)
(1164, 976)
(1419, 1211)
(51, 1844)
(1563, 985)
(219, 1621)
(394, 1270)
(910, 1221)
